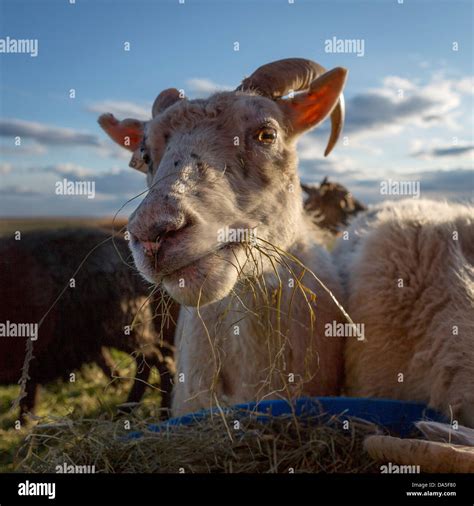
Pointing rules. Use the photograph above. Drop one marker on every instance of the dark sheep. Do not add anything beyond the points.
(108, 295)
(331, 205)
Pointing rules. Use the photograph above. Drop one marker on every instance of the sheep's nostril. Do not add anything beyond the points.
(150, 248)
(152, 238)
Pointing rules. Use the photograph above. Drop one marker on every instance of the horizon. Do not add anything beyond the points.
(409, 94)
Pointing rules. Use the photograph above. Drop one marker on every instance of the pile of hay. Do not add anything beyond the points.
(215, 444)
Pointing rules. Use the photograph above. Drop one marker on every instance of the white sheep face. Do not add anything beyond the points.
(220, 171)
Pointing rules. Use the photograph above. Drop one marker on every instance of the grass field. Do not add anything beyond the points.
(10, 225)
(92, 393)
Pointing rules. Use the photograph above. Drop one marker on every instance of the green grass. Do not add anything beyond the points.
(91, 395)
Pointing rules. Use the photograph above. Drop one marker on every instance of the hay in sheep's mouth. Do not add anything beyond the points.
(282, 444)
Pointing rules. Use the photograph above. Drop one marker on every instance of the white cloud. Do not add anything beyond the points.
(24, 149)
(465, 85)
(437, 149)
(46, 134)
(203, 86)
(311, 147)
(19, 190)
(121, 109)
(398, 83)
(36, 138)
(71, 169)
(401, 103)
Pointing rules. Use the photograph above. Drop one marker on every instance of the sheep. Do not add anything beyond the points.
(407, 269)
(95, 311)
(331, 205)
(223, 231)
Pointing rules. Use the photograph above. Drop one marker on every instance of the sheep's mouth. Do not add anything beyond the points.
(160, 267)
(207, 279)
(216, 253)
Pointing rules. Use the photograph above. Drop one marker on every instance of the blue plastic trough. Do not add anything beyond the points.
(398, 417)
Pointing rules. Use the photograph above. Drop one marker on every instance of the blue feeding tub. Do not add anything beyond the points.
(397, 417)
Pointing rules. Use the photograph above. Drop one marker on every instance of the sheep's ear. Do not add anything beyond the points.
(127, 133)
(306, 110)
(164, 100)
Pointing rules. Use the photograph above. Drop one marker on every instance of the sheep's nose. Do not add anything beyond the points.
(151, 238)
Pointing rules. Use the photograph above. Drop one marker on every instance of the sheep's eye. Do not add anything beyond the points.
(266, 135)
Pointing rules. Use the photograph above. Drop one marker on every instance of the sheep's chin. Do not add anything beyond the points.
(207, 280)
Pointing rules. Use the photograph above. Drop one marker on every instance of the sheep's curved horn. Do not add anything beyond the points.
(276, 79)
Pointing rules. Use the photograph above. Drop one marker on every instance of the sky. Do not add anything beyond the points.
(409, 94)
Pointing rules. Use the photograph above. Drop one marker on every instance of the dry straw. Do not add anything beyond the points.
(281, 444)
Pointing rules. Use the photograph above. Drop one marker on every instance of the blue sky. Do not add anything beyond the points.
(409, 97)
